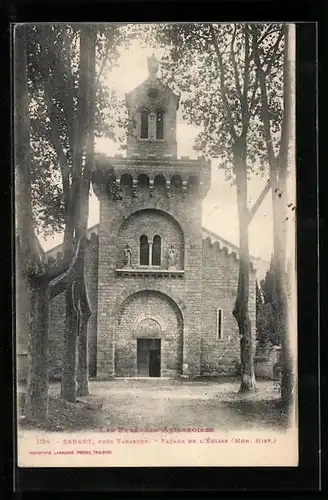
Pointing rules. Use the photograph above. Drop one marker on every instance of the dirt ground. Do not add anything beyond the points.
(153, 403)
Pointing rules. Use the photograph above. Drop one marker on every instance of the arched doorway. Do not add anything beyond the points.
(148, 333)
(149, 336)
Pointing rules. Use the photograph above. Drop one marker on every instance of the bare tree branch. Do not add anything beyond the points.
(62, 66)
(80, 133)
(234, 62)
(90, 93)
(56, 142)
(222, 84)
(253, 98)
(258, 202)
(70, 94)
(103, 63)
(264, 104)
(269, 31)
(272, 59)
(287, 111)
(266, 33)
(48, 85)
(244, 97)
(266, 60)
(85, 303)
(63, 274)
(32, 254)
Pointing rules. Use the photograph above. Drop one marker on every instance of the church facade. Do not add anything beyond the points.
(161, 286)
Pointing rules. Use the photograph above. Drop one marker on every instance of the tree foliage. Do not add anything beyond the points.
(53, 83)
(267, 330)
(199, 60)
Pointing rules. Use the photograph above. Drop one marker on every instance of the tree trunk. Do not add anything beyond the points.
(281, 295)
(279, 202)
(287, 380)
(241, 311)
(90, 36)
(68, 381)
(31, 266)
(83, 369)
(76, 200)
(36, 397)
(83, 358)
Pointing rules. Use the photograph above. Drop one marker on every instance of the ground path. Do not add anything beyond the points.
(153, 403)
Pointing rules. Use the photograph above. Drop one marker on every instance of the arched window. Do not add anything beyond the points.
(144, 126)
(156, 254)
(159, 124)
(144, 250)
(126, 184)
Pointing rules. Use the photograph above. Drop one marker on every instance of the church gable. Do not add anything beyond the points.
(152, 90)
(152, 93)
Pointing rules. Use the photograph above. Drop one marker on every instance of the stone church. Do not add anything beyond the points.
(161, 286)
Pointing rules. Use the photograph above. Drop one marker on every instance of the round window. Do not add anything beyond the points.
(152, 93)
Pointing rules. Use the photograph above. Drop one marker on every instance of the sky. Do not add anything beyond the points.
(220, 205)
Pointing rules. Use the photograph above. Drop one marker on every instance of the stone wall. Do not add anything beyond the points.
(219, 285)
(144, 147)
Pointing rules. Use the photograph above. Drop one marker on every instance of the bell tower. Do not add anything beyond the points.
(152, 110)
(150, 243)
